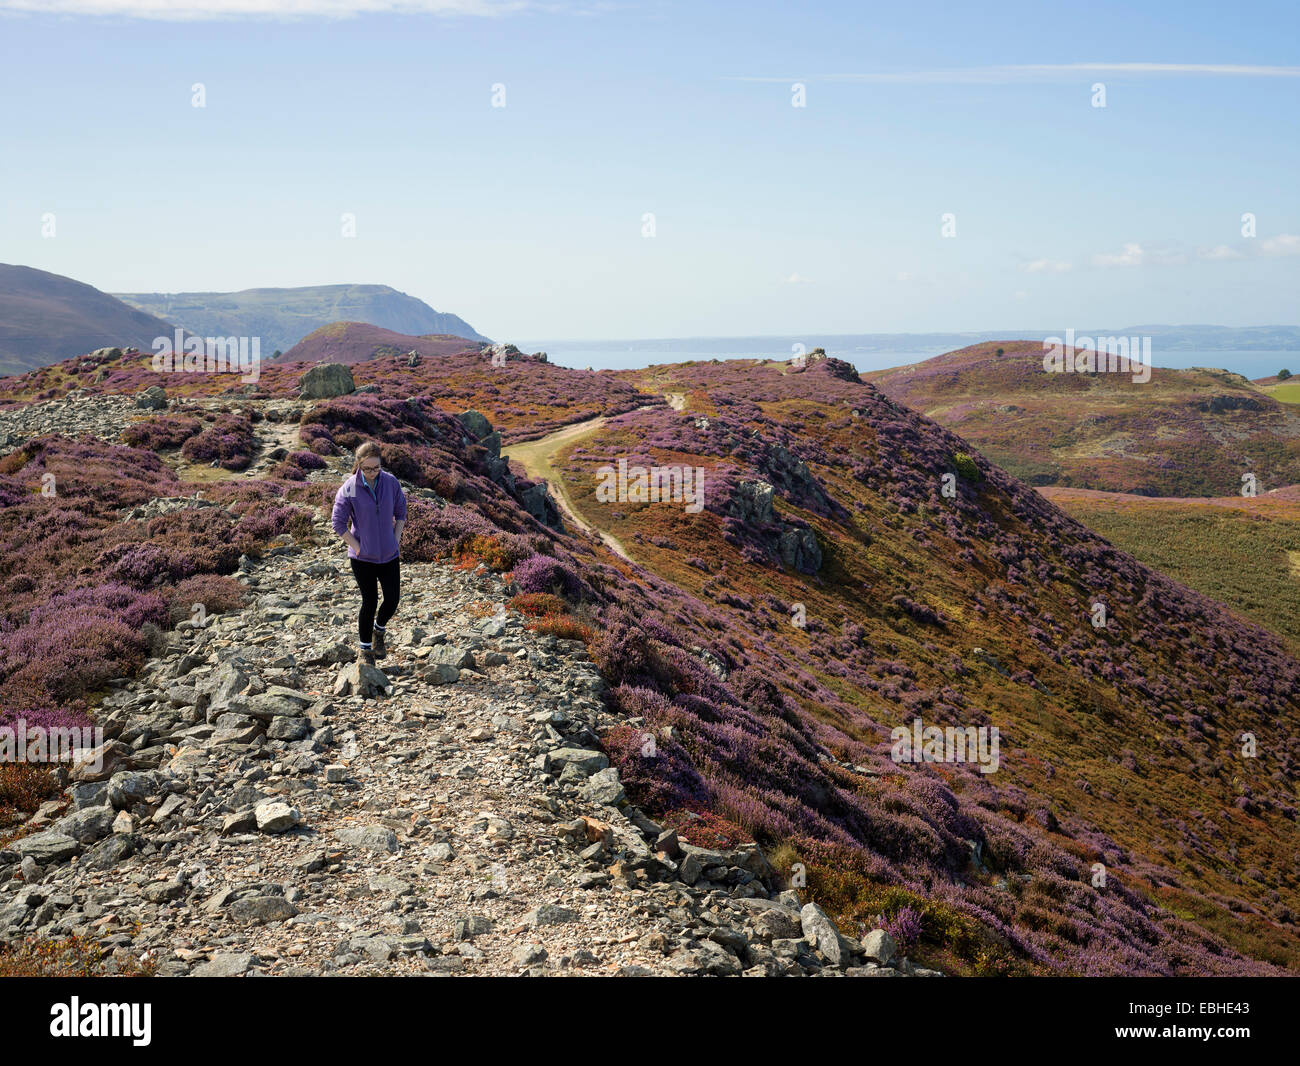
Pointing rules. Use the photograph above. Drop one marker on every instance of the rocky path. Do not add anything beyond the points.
(267, 806)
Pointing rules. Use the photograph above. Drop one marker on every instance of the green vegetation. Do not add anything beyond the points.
(1241, 556)
(1285, 393)
(966, 467)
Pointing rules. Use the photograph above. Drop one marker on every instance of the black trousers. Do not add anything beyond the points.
(387, 576)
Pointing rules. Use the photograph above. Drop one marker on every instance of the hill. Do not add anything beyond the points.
(1242, 552)
(1180, 433)
(853, 568)
(283, 317)
(46, 317)
(357, 342)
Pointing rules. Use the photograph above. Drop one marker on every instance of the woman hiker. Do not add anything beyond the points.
(369, 513)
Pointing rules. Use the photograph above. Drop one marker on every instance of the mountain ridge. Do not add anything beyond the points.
(284, 316)
(46, 317)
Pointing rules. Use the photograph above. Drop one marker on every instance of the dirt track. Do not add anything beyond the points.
(535, 457)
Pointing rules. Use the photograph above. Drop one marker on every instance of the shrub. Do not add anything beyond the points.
(228, 442)
(544, 573)
(966, 467)
(217, 594)
(67, 957)
(161, 431)
(904, 926)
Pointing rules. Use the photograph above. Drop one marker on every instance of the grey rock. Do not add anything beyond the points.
(108, 853)
(820, 931)
(224, 964)
(325, 380)
(262, 909)
(476, 422)
(88, 794)
(369, 837)
(362, 679)
(163, 891)
(47, 847)
(86, 826)
(582, 759)
(549, 914)
(879, 946)
(154, 398)
(275, 816)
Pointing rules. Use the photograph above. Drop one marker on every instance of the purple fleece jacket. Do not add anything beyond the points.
(371, 520)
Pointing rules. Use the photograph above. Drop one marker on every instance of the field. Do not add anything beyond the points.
(1240, 552)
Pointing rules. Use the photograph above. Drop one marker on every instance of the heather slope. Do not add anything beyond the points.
(1120, 744)
(1182, 433)
(1244, 552)
(283, 317)
(357, 342)
(46, 317)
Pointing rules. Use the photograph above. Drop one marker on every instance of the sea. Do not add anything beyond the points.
(865, 352)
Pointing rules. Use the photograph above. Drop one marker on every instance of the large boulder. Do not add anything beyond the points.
(476, 422)
(752, 502)
(799, 549)
(154, 398)
(819, 930)
(325, 380)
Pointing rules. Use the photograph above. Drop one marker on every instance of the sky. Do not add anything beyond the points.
(648, 174)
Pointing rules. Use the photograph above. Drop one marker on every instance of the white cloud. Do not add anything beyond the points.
(1132, 255)
(1282, 244)
(1020, 294)
(903, 275)
(181, 10)
(797, 279)
(1046, 266)
(1270, 247)
(1219, 252)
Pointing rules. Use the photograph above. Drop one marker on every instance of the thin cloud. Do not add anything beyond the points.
(1219, 253)
(1282, 244)
(1028, 72)
(1134, 254)
(797, 279)
(207, 10)
(1265, 247)
(1047, 266)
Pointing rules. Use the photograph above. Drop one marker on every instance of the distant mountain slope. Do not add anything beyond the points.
(283, 317)
(1182, 433)
(46, 317)
(356, 342)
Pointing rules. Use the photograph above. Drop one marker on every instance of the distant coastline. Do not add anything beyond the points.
(879, 351)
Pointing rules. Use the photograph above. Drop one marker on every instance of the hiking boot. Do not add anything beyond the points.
(378, 643)
(366, 655)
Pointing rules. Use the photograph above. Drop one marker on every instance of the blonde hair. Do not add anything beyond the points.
(365, 452)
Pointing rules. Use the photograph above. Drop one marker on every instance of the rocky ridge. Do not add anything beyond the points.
(266, 806)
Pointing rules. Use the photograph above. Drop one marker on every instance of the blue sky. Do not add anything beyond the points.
(527, 220)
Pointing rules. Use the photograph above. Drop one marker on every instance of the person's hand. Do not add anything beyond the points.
(352, 542)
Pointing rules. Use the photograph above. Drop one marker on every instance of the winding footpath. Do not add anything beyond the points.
(266, 806)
